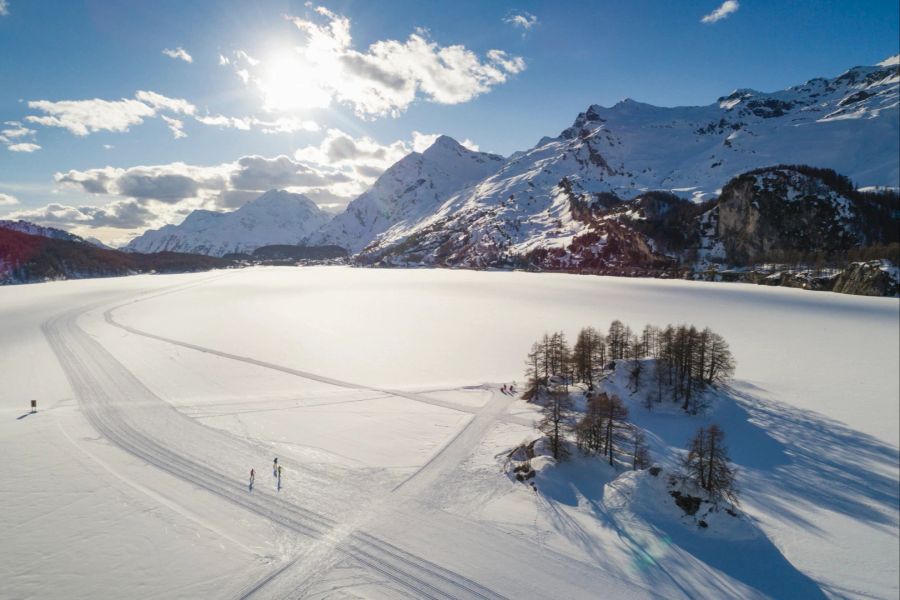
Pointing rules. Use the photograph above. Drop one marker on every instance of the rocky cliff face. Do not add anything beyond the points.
(787, 214)
(873, 278)
(776, 213)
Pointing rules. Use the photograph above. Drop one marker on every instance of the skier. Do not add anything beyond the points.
(252, 478)
(275, 467)
(503, 389)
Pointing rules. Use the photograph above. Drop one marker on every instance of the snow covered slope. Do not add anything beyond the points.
(412, 189)
(276, 217)
(849, 124)
(33, 229)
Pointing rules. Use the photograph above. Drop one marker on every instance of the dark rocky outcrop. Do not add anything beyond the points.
(874, 278)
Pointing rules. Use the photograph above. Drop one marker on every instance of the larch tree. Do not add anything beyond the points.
(533, 372)
(556, 413)
(615, 423)
(640, 454)
(707, 464)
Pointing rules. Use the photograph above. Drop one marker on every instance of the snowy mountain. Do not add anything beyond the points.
(276, 217)
(411, 190)
(783, 214)
(33, 229)
(849, 124)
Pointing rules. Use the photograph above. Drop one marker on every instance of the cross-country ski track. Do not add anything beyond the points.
(127, 413)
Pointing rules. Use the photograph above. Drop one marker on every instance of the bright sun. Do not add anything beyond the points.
(291, 83)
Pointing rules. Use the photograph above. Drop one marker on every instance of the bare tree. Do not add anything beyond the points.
(615, 422)
(640, 454)
(556, 413)
(533, 373)
(617, 339)
(590, 430)
(707, 464)
(721, 362)
(585, 355)
(634, 375)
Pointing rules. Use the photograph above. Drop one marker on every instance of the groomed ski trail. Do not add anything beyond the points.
(117, 405)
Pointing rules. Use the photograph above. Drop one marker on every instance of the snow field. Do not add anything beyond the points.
(818, 472)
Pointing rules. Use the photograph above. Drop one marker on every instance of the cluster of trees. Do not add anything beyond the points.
(605, 431)
(707, 464)
(687, 360)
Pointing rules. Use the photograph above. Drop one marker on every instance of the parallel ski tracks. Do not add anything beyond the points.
(101, 383)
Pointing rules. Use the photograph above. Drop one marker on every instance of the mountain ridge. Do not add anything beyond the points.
(275, 217)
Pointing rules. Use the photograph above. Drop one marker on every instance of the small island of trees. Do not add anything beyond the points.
(674, 364)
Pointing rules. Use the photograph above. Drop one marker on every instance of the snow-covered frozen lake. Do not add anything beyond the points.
(378, 389)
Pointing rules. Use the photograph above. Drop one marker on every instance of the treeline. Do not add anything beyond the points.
(688, 360)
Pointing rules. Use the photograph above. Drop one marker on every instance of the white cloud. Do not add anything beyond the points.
(525, 20)
(4, 8)
(224, 60)
(176, 126)
(227, 122)
(23, 147)
(14, 137)
(728, 7)
(332, 173)
(382, 80)
(363, 156)
(8, 200)
(123, 214)
(278, 125)
(83, 117)
(160, 102)
(286, 125)
(179, 53)
(16, 130)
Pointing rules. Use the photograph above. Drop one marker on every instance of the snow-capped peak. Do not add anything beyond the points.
(276, 217)
(410, 190)
(891, 61)
(847, 123)
(281, 198)
(444, 143)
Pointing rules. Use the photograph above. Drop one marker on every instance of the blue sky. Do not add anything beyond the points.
(294, 94)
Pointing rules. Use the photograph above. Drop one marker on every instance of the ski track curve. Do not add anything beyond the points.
(110, 319)
(125, 412)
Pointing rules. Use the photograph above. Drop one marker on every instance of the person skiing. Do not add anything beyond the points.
(275, 467)
(503, 389)
(252, 478)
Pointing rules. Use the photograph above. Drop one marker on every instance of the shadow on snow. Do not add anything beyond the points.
(790, 461)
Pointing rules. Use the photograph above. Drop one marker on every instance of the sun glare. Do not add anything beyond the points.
(291, 83)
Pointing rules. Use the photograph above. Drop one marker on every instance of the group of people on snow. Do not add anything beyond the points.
(276, 473)
(510, 389)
